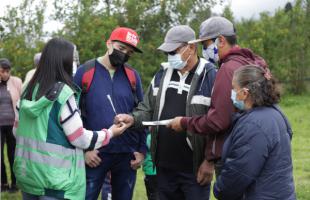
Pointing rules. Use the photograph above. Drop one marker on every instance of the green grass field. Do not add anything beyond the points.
(297, 109)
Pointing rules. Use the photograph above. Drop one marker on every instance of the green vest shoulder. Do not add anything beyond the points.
(45, 162)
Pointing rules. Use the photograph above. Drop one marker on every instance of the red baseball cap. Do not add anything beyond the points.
(127, 36)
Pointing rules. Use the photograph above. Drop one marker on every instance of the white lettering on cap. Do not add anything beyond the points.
(132, 38)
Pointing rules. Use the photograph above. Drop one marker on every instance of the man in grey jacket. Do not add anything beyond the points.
(182, 86)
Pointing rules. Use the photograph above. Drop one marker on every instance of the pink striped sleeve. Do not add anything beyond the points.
(107, 137)
(76, 134)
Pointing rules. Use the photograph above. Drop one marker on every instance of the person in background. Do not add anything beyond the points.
(49, 160)
(10, 91)
(150, 179)
(31, 72)
(76, 60)
(257, 156)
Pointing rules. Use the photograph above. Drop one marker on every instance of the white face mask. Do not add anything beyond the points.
(211, 52)
(176, 62)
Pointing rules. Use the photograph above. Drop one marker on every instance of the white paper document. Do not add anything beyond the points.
(156, 123)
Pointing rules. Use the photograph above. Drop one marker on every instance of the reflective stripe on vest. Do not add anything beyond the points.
(23, 142)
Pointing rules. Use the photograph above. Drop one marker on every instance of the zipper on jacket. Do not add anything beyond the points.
(204, 76)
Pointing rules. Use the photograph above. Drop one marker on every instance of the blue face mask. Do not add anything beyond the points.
(237, 103)
(211, 52)
(176, 62)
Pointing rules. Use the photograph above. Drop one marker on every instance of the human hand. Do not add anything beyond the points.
(175, 124)
(124, 118)
(205, 172)
(118, 129)
(92, 159)
(135, 164)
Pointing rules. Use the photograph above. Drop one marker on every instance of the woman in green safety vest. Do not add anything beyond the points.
(50, 138)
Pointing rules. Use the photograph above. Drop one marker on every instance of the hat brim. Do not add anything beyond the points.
(136, 49)
(169, 47)
(198, 40)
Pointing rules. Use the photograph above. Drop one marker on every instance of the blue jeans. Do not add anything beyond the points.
(27, 196)
(106, 191)
(173, 185)
(123, 177)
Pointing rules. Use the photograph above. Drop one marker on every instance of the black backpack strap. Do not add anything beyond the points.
(87, 78)
(88, 75)
(54, 92)
(131, 76)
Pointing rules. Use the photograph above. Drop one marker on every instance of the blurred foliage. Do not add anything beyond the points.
(282, 39)
(21, 35)
(89, 23)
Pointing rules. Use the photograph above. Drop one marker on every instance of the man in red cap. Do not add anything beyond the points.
(110, 86)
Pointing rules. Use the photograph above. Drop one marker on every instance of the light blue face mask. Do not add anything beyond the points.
(211, 52)
(237, 103)
(176, 62)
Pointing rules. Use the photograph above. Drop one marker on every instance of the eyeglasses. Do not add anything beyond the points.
(172, 53)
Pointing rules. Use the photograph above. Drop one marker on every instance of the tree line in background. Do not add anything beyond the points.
(283, 38)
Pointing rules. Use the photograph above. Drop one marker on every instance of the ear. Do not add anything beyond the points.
(221, 41)
(244, 93)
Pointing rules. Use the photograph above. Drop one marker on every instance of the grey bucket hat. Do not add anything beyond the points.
(213, 27)
(176, 37)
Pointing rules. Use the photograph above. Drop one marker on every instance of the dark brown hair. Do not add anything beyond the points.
(263, 88)
(55, 65)
(232, 40)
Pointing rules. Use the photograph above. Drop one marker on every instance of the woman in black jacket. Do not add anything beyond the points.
(257, 154)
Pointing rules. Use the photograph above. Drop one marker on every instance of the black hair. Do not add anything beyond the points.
(232, 40)
(263, 89)
(55, 65)
(5, 63)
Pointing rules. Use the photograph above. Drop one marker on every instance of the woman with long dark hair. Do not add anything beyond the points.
(257, 154)
(49, 160)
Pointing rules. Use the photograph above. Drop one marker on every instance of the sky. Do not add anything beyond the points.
(251, 8)
(240, 8)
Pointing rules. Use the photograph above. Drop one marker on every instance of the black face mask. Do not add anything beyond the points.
(118, 58)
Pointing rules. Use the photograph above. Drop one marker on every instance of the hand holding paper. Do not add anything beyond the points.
(124, 118)
(175, 124)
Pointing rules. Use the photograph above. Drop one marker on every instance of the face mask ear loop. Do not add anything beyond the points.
(184, 51)
(188, 58)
